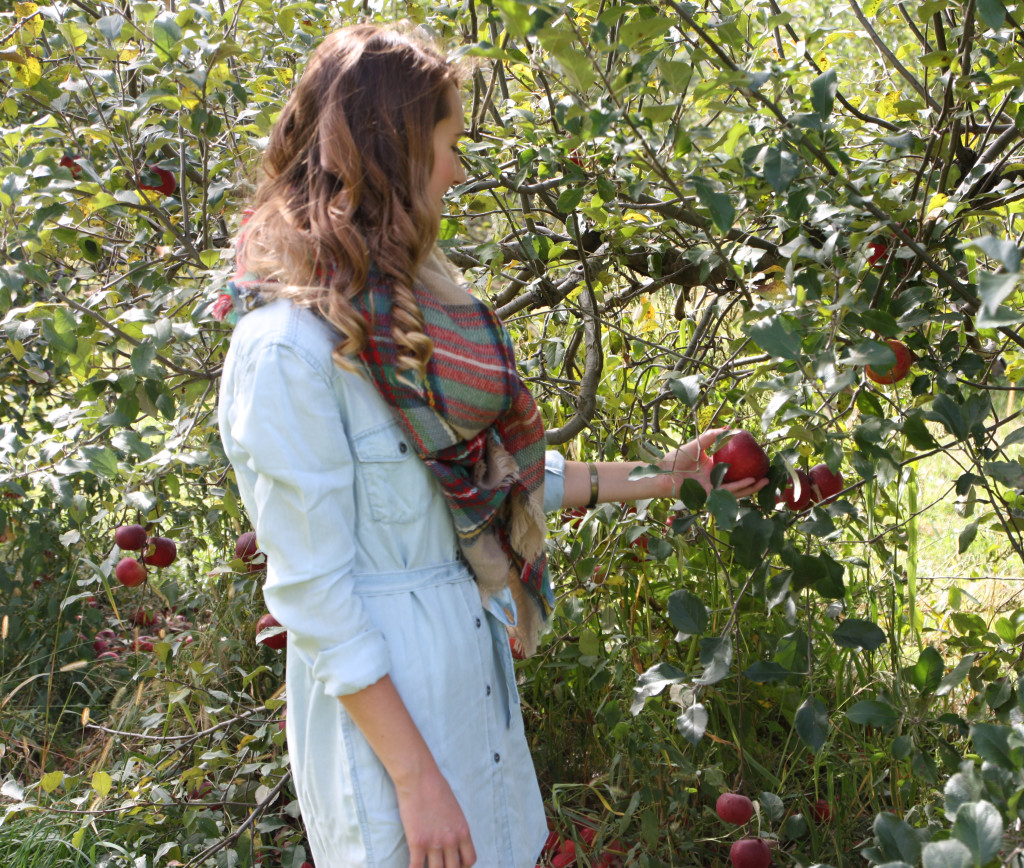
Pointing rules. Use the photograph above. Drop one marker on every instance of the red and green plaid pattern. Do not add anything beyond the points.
(471, 384)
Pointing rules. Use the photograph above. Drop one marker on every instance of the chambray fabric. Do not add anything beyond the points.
(365, 574)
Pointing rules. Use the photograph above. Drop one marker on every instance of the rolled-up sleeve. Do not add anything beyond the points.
(282, 429)
(554, 480)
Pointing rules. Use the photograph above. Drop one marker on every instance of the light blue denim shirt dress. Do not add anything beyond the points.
(364, 571)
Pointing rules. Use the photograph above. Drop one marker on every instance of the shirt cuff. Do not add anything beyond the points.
(554, 480)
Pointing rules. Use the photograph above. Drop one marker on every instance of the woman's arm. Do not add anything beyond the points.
(435, 827)
(689, 461)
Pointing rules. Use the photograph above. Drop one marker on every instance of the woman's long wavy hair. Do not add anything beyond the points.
(345, 179)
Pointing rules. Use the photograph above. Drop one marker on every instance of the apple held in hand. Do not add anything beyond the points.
(278, 640)
(744, 455)
(129, 572)
(825, 484)
(899, 369)
(161, 552)
(734, 808)
(750, 853)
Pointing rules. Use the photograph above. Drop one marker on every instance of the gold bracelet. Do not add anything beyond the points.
(594, 488)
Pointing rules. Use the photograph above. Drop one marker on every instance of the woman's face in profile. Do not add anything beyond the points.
(447, 169)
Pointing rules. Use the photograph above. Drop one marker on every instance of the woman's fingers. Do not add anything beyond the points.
(467, 853)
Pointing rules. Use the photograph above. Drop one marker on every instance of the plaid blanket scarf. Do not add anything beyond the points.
(476, 427)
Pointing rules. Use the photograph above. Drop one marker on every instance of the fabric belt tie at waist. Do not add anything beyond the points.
(401, 581)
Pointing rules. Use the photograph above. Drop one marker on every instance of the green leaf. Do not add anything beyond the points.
(979, 826)
(766, 672)
(723, 506)
(692, 494)
(823, 93)
(142, 359)
(723, 213)
(872, 712)
(166, 35)
(569, 198)
(686, 389)
(858, 633)
(60, 331)
(1005, 252)
(101, 461)
(101, 783)
(967, 536)
(811, 723)
(992, 13)
(716, 658)
(896, 839)
(992, 743)
(926, 674)
(946, 854)
(692, 723)
(652, 682)
(947, 412)
(687, 613)
(771, 805)
(51, 781)
(953, 679)
(780, 168)
(777, 338)
(962, 788)
(916, 431)
(1008, 473)
(110, 26)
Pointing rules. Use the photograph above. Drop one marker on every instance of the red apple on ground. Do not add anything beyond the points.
(99, 646)
(129, 572)
(130, 537)
(160, 552)
(109, 655)
(798, 502)
(278, 641)
(166, 184)
(750, 853)
(825, 484)
(734, 808)
(745, 457)
(821, 810)
(899, 369)
(143, 618)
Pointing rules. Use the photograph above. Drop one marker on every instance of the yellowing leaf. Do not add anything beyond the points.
(27, 73)
(936, 203)
(101, 783)
(824, 62)
(127, 54)
(24, 10)
(871, 7)
(886, 107)
(78, 837)
(51, 781)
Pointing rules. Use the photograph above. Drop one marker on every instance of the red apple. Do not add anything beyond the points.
(825, 484)
(734, 808)
(160, 552)
(750, 853)
(566, 856)
(109, 655)
(899, 369)
(795, 502)
(100, 645)
(130, 537)
(246, 550)
(278, 640)
(129, 572)
(745, 457)
(143, 618)
(167, 183)
(821, 810)
(877, 253)
(70, 162)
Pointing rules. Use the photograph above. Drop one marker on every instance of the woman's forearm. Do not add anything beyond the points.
(614, 484)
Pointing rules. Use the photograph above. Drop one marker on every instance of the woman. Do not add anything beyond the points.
(393, 466)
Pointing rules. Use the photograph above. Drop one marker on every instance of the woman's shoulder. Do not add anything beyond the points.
(283, 324)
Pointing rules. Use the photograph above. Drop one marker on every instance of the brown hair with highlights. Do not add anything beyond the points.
(345, 179)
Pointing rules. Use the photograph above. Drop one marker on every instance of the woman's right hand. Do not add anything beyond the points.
(435, 827)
